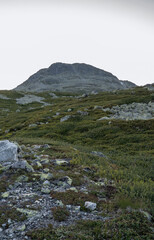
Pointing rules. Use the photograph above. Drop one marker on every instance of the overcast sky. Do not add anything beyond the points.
(114, 35)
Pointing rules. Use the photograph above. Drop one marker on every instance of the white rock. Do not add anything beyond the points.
(90, 205)
(63, 119)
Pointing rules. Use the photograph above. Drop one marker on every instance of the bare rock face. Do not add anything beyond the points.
(8, 152)
(77, 77)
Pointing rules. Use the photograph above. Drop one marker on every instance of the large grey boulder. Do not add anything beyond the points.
(8, 152)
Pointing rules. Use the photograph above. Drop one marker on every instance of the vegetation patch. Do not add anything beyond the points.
(7, 212)
(60, 213)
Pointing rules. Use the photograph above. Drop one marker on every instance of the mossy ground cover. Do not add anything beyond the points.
(7, 212)
(127, 145)
(127, 226)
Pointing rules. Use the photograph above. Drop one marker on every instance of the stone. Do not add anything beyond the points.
(82, 113)
(63, 119)
(66, 179)
(46, 183)
(73, 189)
(8, 152)
(45, 160)
(133, 111)
(90, 205)
(45, 190)
(53, 95)
(99, 154)
(33, 125)
(21, 228)
(4, 97)
(147, 215)
(45, 176)
(28, 212)
(22, 178)
(77, 208)
(46, 170)
(29, 99)
(103, 118)
(59, 203)
(23, 164)
(98, 107)
(5, 195)
(61, 162)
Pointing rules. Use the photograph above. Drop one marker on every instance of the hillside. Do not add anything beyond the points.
(75, 77)
(84, 168)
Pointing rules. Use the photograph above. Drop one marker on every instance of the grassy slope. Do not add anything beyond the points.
(128, 145)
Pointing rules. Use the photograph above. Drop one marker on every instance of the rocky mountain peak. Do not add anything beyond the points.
(77, 77)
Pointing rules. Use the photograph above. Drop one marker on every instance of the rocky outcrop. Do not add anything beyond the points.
(133, 111)
(73, 78)
(27, 99)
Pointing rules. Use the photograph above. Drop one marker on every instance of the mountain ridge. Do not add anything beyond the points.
(76, 77)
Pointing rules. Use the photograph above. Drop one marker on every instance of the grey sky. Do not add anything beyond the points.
(115, 35)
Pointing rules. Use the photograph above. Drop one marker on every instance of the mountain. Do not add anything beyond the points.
(77, 77)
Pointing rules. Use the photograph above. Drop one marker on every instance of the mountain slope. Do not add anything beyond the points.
(75, 77)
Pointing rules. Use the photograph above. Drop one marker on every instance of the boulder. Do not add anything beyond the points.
(23, 165)
(90, 205)
(8, 152)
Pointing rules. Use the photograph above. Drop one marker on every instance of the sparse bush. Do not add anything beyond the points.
(60, 213)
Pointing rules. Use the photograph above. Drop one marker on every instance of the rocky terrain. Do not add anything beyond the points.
(30, 193)
(133, 111)
(76, 166)
(75, 77)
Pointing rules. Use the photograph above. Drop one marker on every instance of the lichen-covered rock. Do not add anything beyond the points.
(23, 165)
(5, 195)
(28, 212)
(47, 176)
(45, 190)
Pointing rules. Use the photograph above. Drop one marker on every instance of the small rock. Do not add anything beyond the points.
(90, 205)
(33, 125)
(63, 119)
(61, 162)
(147, 215)
(5, 195)
(47, 176)
(59, 203)
(46, 170)
(45, 190)
(46, 183)
(21, 228)
(23, 164)
(73, 189)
